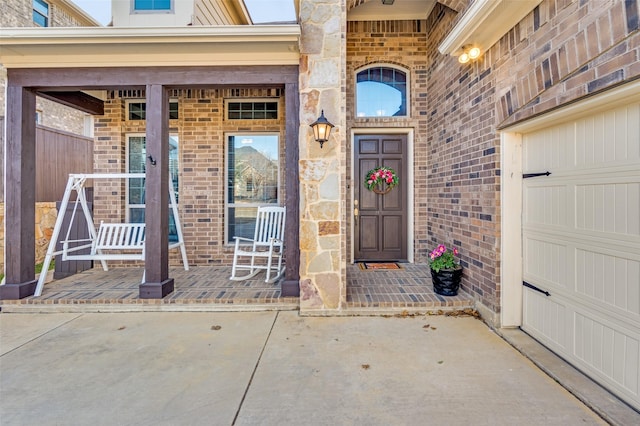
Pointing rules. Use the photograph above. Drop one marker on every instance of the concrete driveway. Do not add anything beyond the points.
(269, 368)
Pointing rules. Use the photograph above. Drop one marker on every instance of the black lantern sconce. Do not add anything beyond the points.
(321, 129)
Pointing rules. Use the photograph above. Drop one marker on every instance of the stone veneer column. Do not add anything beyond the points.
(322, 171)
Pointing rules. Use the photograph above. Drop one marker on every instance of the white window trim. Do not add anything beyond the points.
(249, 100)
(383, 65)
(169, 11)
(226, 179)
(128, 206)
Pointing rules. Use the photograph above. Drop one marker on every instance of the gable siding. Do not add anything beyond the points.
(209, 12)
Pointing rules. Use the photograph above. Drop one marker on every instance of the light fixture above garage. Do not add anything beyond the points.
(470, 53)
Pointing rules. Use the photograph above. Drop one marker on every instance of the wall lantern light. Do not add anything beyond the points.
(321, 129)
(388, 1)
(469, 53)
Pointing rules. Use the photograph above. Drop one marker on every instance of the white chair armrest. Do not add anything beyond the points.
(243, 239)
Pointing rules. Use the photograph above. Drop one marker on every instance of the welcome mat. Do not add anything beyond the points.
(379, 266)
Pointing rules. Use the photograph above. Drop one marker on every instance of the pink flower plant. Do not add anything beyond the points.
(443, 258)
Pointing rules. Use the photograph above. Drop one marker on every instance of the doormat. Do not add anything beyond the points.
(379, 266)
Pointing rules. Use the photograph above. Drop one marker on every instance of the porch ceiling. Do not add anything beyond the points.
(399, 10)
(138, 47)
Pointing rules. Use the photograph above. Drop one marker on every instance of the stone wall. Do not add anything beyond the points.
(201, 130)
(323, 228)
(46, 215)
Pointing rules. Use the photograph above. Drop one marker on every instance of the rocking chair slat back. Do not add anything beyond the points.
(267, 244)
(269, 225)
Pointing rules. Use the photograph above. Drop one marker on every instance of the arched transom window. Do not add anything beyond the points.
(381, 91)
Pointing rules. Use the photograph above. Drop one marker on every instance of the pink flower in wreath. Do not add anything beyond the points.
(381, 175)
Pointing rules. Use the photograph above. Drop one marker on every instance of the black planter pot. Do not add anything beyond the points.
(447, 281)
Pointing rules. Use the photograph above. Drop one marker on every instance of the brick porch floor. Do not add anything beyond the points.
(209, 288)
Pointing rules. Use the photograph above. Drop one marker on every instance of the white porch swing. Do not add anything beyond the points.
(111, 241)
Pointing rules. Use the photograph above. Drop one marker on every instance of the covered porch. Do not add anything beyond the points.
(208, 288)
(87, 81)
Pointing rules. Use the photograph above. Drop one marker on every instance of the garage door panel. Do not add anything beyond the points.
(602, 276)
(625, 131)
(612, 280)
(546, 205)
(581, 244)
(549, 149)
(609, 350)
(606, 350)
(608, 138)
(544, 263)
(546, 319)
(611, 208)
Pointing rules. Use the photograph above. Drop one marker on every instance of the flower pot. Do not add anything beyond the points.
(447, 281)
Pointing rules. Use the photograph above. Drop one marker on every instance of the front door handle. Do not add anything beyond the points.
(356, 212)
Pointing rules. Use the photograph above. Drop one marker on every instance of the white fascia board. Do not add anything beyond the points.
(102, 35)
(484, 23)
(149, 46)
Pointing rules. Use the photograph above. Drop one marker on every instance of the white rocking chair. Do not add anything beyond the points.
(268, 243)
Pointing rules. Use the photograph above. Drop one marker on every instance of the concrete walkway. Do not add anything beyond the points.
(269, 368)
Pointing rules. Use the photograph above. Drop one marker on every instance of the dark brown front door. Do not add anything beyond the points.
(381, 223)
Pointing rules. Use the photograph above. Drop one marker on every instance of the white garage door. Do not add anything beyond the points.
(581, 245)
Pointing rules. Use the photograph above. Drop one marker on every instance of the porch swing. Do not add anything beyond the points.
(111, 241)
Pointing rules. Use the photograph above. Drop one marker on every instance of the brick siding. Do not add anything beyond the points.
(201, 130)
(562, 51)
(403, 44)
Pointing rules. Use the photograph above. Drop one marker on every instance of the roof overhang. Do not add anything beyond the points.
(149, 46)
(484, 23)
